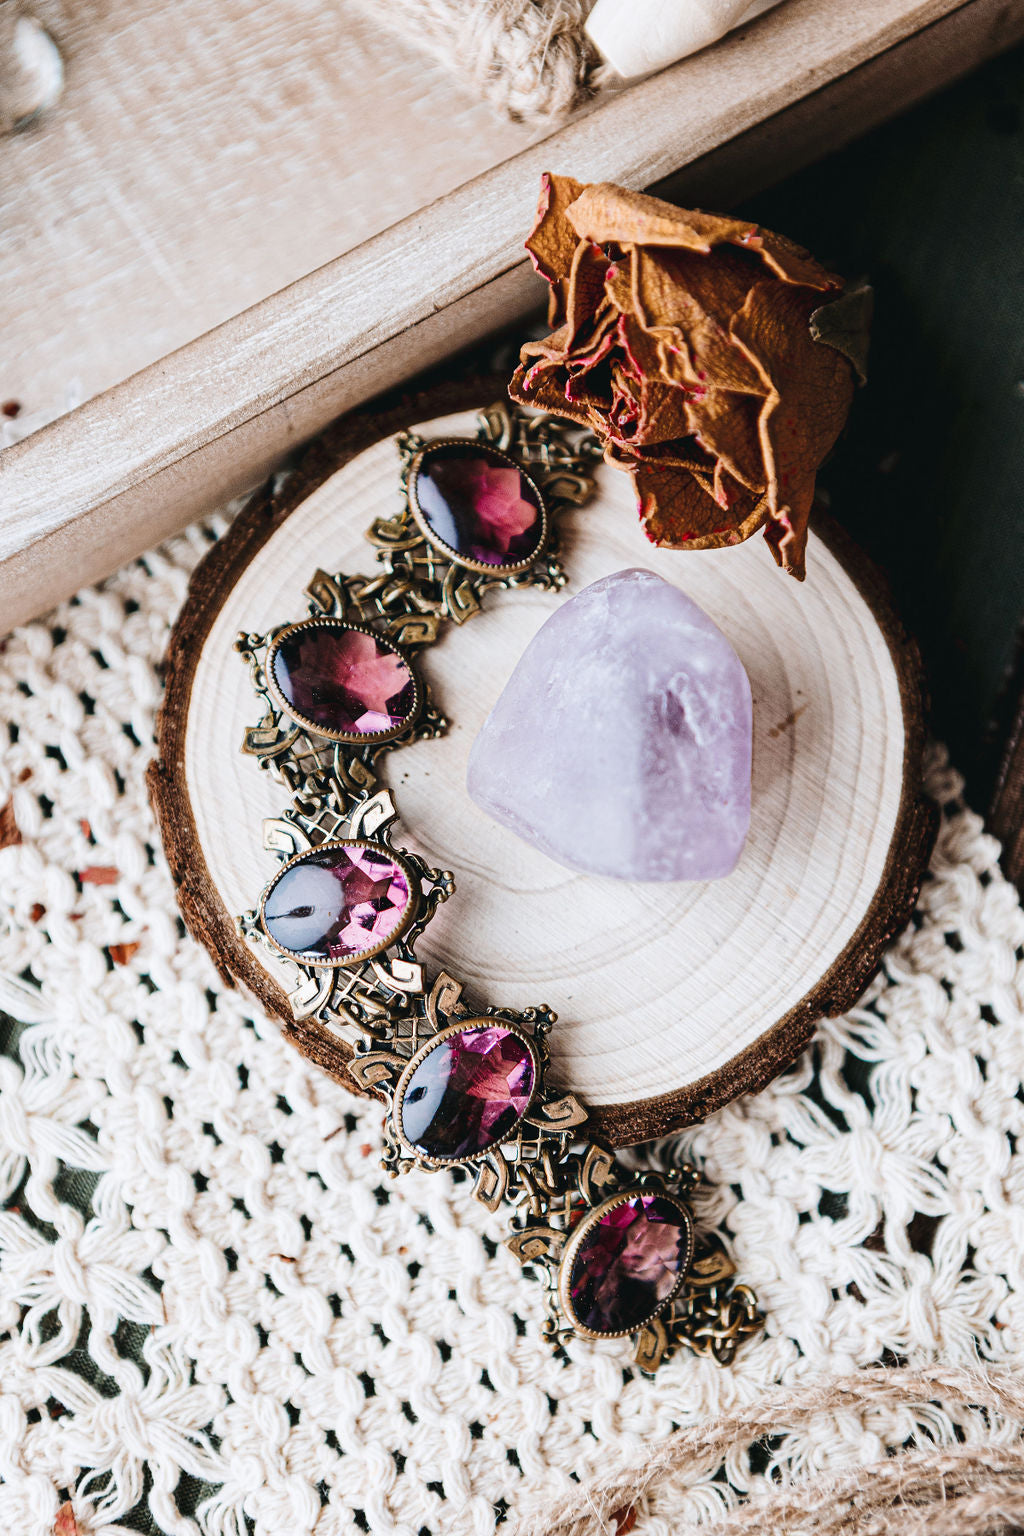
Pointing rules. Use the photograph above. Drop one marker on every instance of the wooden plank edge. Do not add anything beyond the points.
(126, 510)
(374, 293)
(837, 115)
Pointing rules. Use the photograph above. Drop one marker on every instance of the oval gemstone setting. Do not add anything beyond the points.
(338, 903)
(467, 1091)
(625, 1262)
(477, 505)
(341, 681)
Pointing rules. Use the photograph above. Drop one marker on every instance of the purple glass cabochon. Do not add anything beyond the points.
(629, 1262)
(468, 1092)
(343, 679)
(478, 503)
(336, 902)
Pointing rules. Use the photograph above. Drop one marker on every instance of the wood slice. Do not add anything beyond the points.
(672, 999)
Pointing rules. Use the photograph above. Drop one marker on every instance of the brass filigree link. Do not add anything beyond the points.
(559, 458)
(407, 600)
(376, 998)
(713, 1316)
(548, 1173)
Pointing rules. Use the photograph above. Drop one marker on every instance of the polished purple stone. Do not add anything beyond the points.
(621, 744)
(344, 680)
(468, 1092)
(335, 903)
(628, 1264)
(478, 503)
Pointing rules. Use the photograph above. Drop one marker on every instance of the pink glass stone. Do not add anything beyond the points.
(478, 504)
(621, 744)
(344, 680)
(629, 1264)
(337, 902)
(468, 1092)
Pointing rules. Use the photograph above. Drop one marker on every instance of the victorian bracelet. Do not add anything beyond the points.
(338, 689)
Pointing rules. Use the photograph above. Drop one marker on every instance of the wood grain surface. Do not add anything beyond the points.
(122, 471)
(672, 998)
(204, 157)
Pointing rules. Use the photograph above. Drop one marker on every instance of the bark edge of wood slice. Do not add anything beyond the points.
(660, 1052)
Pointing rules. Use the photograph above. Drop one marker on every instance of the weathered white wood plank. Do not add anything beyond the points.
(98, 486)
(202, 158)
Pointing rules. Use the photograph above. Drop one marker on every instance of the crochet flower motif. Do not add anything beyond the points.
(683, 340)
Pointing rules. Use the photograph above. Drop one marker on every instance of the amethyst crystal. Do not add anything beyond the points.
(621, 744)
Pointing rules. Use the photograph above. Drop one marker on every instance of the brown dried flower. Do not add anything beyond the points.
(683, 340)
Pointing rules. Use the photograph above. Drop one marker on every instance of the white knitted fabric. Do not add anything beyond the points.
(215, 1314)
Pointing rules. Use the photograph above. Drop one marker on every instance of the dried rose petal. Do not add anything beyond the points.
(10, 832)
(99, 874)
(683, 340)
(122, 953)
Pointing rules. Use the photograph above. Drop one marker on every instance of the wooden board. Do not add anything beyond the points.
(202, 158)
(672, 999)
(124, 470)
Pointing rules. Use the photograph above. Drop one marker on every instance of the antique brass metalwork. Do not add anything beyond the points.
(555, 1180)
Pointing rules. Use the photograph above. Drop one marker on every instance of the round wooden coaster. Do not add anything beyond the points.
(672, 999)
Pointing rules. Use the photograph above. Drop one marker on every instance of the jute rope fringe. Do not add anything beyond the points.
(528, 58)
(953, 1490)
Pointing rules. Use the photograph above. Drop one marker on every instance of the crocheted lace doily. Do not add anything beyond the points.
(216, 1316)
